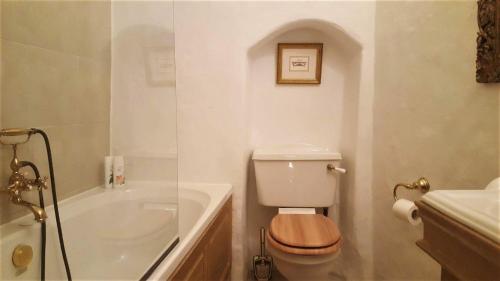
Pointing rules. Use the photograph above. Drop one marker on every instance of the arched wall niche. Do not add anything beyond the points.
(343, 39)
(325, 115)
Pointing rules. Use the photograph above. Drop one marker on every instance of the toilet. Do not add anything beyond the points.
(299, 179)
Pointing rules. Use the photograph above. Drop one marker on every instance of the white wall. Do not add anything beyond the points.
(218, 99)
(431, 119)
(284, 114)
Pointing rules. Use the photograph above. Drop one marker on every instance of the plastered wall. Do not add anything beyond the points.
(431, 119)
(217, 53)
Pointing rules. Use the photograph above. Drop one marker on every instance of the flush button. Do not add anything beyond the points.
(22, 256)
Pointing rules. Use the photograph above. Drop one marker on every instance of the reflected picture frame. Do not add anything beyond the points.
(299, 63)
(160, 66)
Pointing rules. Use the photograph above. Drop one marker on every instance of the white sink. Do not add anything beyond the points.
(478, 209)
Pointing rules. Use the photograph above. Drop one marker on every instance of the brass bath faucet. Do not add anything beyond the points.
(19, 183)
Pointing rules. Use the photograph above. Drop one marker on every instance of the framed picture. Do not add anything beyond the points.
(299, 63)
(488, 42)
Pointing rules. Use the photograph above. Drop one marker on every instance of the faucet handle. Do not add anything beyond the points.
(39, 183)
(42, 183)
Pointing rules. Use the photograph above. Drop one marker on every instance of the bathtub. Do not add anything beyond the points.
(97, 251)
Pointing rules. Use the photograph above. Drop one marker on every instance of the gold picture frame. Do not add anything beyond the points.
(299, 63)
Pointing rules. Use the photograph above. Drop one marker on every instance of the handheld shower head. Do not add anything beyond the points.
(16, 132)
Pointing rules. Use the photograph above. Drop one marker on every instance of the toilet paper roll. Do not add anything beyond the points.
(407, 211)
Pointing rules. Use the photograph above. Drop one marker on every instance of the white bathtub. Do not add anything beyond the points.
(97, 251)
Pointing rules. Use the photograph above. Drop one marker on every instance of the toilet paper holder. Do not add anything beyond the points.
(421, 184)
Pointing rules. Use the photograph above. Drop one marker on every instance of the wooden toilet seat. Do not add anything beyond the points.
(304, 234)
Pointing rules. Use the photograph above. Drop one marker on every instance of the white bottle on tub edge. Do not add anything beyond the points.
(118, 171)
(108, 172)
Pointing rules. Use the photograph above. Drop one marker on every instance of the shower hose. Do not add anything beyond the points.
(56, 209)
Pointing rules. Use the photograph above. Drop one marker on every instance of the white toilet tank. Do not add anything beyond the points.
(295, 176)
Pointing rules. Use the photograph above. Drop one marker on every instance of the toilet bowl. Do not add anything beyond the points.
(303, 268)
(303, 245)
